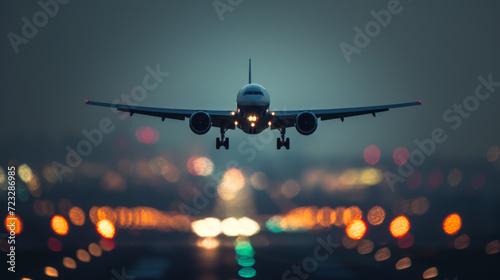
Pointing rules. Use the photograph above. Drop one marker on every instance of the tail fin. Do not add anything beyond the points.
(250, 71)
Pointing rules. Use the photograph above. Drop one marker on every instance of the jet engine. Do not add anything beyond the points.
(200, 122)
(306, 123)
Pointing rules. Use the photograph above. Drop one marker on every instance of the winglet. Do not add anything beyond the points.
(250, 71)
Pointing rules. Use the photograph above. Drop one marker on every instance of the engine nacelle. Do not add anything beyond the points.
(306, 123)
(200, 122)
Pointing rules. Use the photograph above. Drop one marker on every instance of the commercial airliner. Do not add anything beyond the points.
(252, 115)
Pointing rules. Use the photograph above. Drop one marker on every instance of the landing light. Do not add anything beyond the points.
(235, 123)
(252, 124)
(269, 123)
(233, 113)
(272, 113)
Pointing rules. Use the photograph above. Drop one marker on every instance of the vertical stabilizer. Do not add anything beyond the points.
(250, 71)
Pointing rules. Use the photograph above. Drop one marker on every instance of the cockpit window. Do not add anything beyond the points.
(253, 93)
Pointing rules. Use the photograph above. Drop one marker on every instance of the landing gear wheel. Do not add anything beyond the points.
(222, 141)
(282, 142)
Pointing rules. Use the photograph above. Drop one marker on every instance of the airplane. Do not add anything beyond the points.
(252, 115)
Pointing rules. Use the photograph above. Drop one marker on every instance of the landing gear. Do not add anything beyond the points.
(282, 142)
(222, 141)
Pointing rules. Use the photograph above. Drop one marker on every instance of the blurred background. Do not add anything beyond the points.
(412, 193)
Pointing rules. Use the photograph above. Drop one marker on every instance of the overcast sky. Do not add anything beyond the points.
(432, 51)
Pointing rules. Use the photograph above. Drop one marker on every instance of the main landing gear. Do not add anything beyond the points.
(282, 142)
(222, 141)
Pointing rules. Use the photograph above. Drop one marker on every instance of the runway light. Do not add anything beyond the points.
(252, 124)
(452, 224)
(399, 226)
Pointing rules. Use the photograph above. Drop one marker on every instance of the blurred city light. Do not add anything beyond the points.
(399, 227)
(401, 155)
(106, 229)
(452, 224)
(376, 215)
(13, 223)
(200, 166)
(59, 225)
(403, 263)
(77, 216)
(51, 272)
(356, 229)
(430, 273)
(371, 154)
(208, 227)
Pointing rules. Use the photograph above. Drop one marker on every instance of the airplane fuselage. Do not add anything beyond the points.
(252, 104)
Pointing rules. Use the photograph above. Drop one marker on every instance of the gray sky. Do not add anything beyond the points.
(430, 50)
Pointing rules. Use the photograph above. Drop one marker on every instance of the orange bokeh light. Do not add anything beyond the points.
(59, 225)
(399, 226)
(356, 229)
(13, 223)
(452, 224)
(106, 229)
(376, 215)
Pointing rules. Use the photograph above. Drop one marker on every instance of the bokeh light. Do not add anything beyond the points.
(54, 244)
(436, 178)
(200, 166)
(399, 227)
(147, 135)
(414, 180)
(290, 188)
(419, 206)
(493, 153)
(478, 180)
(59, 225)
(259, 180)
(106, 229)
(371, 154)
(77, 216)
(352, 213)
(406, 241)
(82, 255)
(403, 263)
(430, 273)
(13, 223)
(232, 181)
(452, 224)
(376, 215)
(462, 242)
(69, 263)
(401, 155)
(365, 247)
(356, 229)
(95, 250)
(208, 227)
(493, 247)
(51, 272)
(455, 177)
(382, 254)
(350, 243)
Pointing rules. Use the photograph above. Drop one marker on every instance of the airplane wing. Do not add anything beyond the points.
(218, 117)
(288, 117)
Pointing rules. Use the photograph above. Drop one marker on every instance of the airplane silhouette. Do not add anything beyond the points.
(252, 115)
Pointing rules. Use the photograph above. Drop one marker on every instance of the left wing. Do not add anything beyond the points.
(288, 117)
(219, 117)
